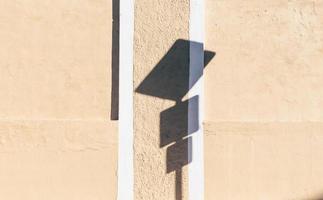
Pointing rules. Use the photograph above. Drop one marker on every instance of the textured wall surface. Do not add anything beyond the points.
(264, 94)
(250, 160)
(269, 58)
(158, 24)
(56, 139)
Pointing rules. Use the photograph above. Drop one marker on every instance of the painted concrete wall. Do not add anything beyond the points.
(263, 99)
(264, 92)
(56, 137)
(161, 28)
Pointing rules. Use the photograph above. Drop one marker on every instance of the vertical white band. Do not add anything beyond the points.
(196, 151)
(125, 153)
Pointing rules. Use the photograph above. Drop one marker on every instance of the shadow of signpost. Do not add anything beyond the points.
(170, 80)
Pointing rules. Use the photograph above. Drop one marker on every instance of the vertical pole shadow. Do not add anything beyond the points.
(115, 60)
(170, 80)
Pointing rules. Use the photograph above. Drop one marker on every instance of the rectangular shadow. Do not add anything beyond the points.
(114, 115)
(174, 121)
(178, 155)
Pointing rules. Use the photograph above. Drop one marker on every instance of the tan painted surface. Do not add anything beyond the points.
(263, 88)
(56, 139)
(57, 160)
(268, 63)
(54, 59)
(158, 24)
(264, 160)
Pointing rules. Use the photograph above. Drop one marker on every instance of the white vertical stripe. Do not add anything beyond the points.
(125, 153)
(196, 151)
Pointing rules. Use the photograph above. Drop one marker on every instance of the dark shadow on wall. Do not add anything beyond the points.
(115, 61)
(170, 80)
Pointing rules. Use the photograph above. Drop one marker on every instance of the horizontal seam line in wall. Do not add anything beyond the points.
(262, 122)
(58, 119)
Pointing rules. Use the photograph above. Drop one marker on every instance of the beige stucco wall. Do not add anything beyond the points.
(263, 99)
(158, 25)
(56, 137)
(264, 92)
